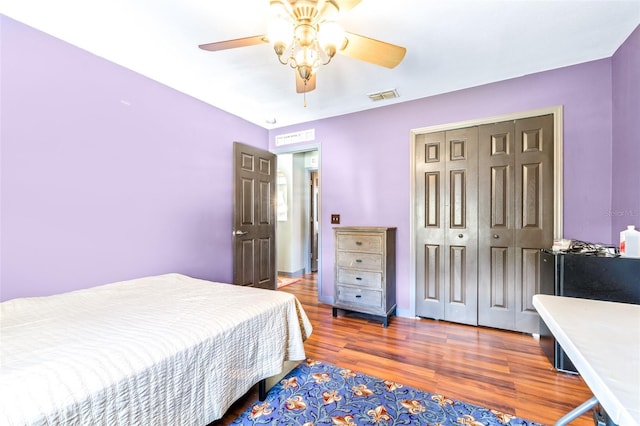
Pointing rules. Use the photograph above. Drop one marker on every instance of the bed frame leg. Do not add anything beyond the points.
(262, 389)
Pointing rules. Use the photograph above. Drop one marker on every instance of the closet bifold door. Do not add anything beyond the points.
(461, 224)
(446, 223)
(496, 223)
(484, 209)
(515, 219)
(534, 226)
(429, 224)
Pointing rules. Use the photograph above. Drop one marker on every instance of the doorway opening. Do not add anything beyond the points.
(298, 216)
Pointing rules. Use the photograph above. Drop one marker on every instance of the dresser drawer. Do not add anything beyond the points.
(360, 278)
(363, 243)
(359, 260)
(359, 297)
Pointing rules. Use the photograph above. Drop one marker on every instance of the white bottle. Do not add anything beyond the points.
(630, 242)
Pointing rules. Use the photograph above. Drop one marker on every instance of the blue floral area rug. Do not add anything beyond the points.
(317, 393)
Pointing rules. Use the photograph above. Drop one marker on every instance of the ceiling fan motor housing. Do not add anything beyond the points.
(305, 34)
(305, 11)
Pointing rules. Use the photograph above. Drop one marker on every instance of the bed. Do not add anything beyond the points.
(162, 350)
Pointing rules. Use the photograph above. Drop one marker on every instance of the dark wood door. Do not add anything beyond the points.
(254, 216)
(461, 223)
(446, 197)
(515, 219)
(484, 209)
(534, 175)
(430, 211)
(496, 225)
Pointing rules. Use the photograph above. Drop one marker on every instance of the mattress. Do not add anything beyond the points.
(163, 350)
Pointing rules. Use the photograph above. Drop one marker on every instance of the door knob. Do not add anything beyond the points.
(239, 233)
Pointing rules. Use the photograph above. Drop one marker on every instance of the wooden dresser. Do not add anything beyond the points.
(365, 270)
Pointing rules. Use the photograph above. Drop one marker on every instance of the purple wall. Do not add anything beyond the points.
(105, 174)
(625, 203)
(370, 151)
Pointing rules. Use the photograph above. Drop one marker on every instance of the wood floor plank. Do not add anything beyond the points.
(497, 369)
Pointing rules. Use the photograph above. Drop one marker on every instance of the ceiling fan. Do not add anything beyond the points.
(305, 35)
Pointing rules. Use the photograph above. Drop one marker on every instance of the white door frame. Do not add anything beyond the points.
(557, 112)
(292, 149)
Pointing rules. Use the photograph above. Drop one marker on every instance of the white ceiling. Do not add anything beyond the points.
(451, 44)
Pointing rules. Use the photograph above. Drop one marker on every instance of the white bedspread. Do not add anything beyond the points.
(165, 350)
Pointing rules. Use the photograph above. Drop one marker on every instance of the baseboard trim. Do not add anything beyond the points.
(295, 274)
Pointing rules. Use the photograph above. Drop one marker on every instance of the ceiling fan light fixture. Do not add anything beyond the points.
(301, 38)
(331, 37)
(305, 72)
(304, 35)
(306, 57)
(280, 32)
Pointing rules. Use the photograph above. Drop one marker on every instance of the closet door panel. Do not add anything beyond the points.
(533, 211)
(496, 193)
(429, 226)
(499, 290)
(461, 222)
(431, 271)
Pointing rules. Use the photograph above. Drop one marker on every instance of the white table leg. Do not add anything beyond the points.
(577, 412)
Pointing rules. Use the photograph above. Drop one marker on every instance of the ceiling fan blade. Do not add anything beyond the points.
(232, 44)
(373, 51)
(346, 5)
(300, 86)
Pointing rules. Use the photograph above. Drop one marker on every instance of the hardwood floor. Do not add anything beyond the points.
(503, 370)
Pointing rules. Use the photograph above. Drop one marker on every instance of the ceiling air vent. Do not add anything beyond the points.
(387, 94)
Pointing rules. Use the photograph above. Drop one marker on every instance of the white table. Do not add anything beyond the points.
(602, 339)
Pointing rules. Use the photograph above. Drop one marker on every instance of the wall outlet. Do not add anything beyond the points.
(335, 219)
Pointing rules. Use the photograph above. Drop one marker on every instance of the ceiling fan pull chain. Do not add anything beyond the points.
(304, 94)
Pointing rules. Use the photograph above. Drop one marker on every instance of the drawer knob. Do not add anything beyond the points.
(358, 243)
(358, 278)
(358, 295)
(358, 260)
